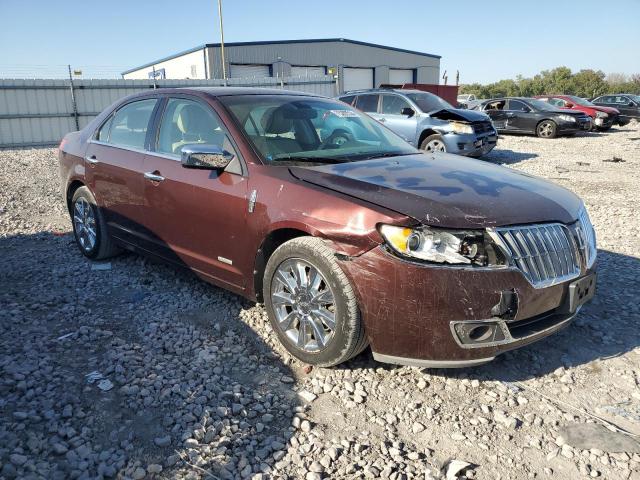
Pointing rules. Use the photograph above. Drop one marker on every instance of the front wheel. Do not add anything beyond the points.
(547, 129)
(311, 304)
(433, 143)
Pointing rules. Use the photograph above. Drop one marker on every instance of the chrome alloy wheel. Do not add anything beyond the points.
(304, 305)
(435, 145)
(545, 129)
(84, 221)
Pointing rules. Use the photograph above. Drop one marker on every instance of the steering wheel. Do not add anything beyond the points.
(336, 139)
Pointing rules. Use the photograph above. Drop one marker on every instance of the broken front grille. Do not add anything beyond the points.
(482, 127)
(546, 254)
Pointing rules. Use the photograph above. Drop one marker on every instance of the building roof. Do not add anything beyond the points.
(279, 42)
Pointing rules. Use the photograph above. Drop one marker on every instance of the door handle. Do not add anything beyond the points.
(92, 160)
(153, 177)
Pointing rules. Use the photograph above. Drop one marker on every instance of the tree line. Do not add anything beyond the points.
(561, 80)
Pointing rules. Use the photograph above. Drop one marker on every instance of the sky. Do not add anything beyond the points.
(486, 41)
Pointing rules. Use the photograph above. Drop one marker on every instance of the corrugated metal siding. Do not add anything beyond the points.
(40, 112)
(324, 54)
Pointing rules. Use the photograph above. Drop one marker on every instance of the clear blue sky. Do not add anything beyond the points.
(486, 41)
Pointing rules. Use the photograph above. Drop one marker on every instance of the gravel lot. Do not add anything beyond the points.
(189, 382)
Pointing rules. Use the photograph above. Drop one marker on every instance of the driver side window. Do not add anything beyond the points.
(187, 122)
(517, 106)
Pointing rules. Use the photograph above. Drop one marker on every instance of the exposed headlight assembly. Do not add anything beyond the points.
(568, 118)
(457, 127)
(470, 247)
(602, 115)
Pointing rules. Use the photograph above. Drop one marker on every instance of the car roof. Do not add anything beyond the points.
(402, 91)
(231, 91)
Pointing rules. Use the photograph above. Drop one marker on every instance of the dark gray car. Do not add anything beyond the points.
(628, 104)
(427, 121)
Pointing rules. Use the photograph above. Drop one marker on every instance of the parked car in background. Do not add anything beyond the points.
(466, 97)
(602, 118)
(531, 116)
(627, 104)
(427, 121)
(433, 259)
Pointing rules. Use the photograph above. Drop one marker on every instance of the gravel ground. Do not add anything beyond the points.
(133, 370)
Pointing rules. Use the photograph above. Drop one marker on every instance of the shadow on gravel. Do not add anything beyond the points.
(507, 157)
(191, 387)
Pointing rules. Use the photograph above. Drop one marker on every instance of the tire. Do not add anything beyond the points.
(85, 212)
(433, 143)
(322, 332)
(547, 129)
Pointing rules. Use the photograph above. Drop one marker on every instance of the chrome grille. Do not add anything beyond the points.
(546, 254)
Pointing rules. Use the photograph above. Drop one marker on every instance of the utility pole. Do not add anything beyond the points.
(224, 67)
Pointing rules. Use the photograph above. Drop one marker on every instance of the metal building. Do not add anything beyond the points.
(356, 64)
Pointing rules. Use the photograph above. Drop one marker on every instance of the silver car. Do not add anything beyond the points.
(427, 121)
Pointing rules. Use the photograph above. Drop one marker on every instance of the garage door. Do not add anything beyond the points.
(307, 71)
(357, 78)
(400, 76)
(249, 71)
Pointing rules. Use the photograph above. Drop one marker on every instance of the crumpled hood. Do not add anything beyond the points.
(459, 114)
(448, 190)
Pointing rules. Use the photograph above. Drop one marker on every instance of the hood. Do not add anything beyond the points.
(448, 190)
(460, 115)
(610, 110)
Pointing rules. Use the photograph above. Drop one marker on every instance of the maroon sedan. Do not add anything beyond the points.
(349, 235)
(603, 117)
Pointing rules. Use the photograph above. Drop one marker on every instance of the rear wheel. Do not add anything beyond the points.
(89, 226)
(547, 129)
(311, 304)
(433, 143)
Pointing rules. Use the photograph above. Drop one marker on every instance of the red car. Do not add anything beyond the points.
(348, 234)
(603, 117)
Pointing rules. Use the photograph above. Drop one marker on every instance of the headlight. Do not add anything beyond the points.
(457, 127)
(568, 118)
(442, 246)
(601, 115)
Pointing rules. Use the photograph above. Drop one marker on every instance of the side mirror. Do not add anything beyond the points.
(207, 157)
(408, 111)
(631, 104)
(569, 105)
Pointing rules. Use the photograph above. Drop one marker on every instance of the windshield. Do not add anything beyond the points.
(580, 101)
(288, 129)
(428, 102)
(540, 105)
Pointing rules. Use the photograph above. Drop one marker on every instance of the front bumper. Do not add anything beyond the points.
(573, 127)
(472, 145)
(412, 311)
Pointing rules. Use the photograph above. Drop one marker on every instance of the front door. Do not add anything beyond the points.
(496, 111)
(114, 166)
(196, 218)
(520, 117)
(391, 115)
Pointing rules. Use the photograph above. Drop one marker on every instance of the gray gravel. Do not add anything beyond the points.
(200, 388)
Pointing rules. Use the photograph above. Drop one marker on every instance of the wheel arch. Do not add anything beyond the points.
(71, 190)
(425, 133)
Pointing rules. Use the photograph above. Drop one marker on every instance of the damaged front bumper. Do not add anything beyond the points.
(445, 316)
(471, 145)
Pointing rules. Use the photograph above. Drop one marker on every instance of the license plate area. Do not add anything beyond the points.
(581, 291)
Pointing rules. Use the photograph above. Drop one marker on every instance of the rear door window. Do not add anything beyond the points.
(367, 103)
(129, 125)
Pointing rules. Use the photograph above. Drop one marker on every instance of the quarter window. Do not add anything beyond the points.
(367, 103)
(128, 128)
(393, 104)
(186, 122)
(348, 99)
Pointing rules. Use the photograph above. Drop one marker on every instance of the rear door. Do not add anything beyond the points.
(196, 218)
(391, 115)
(496, 111)
(114, 167)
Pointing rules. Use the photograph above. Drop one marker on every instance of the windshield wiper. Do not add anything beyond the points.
(385, 155)
(296, 158)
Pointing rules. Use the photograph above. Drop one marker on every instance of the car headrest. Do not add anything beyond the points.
(275, 122)
(137, 119)
(195, 120)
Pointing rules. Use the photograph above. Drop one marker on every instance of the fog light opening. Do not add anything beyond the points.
(480, 333)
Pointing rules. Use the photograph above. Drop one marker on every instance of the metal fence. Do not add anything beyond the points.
(40, 112)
